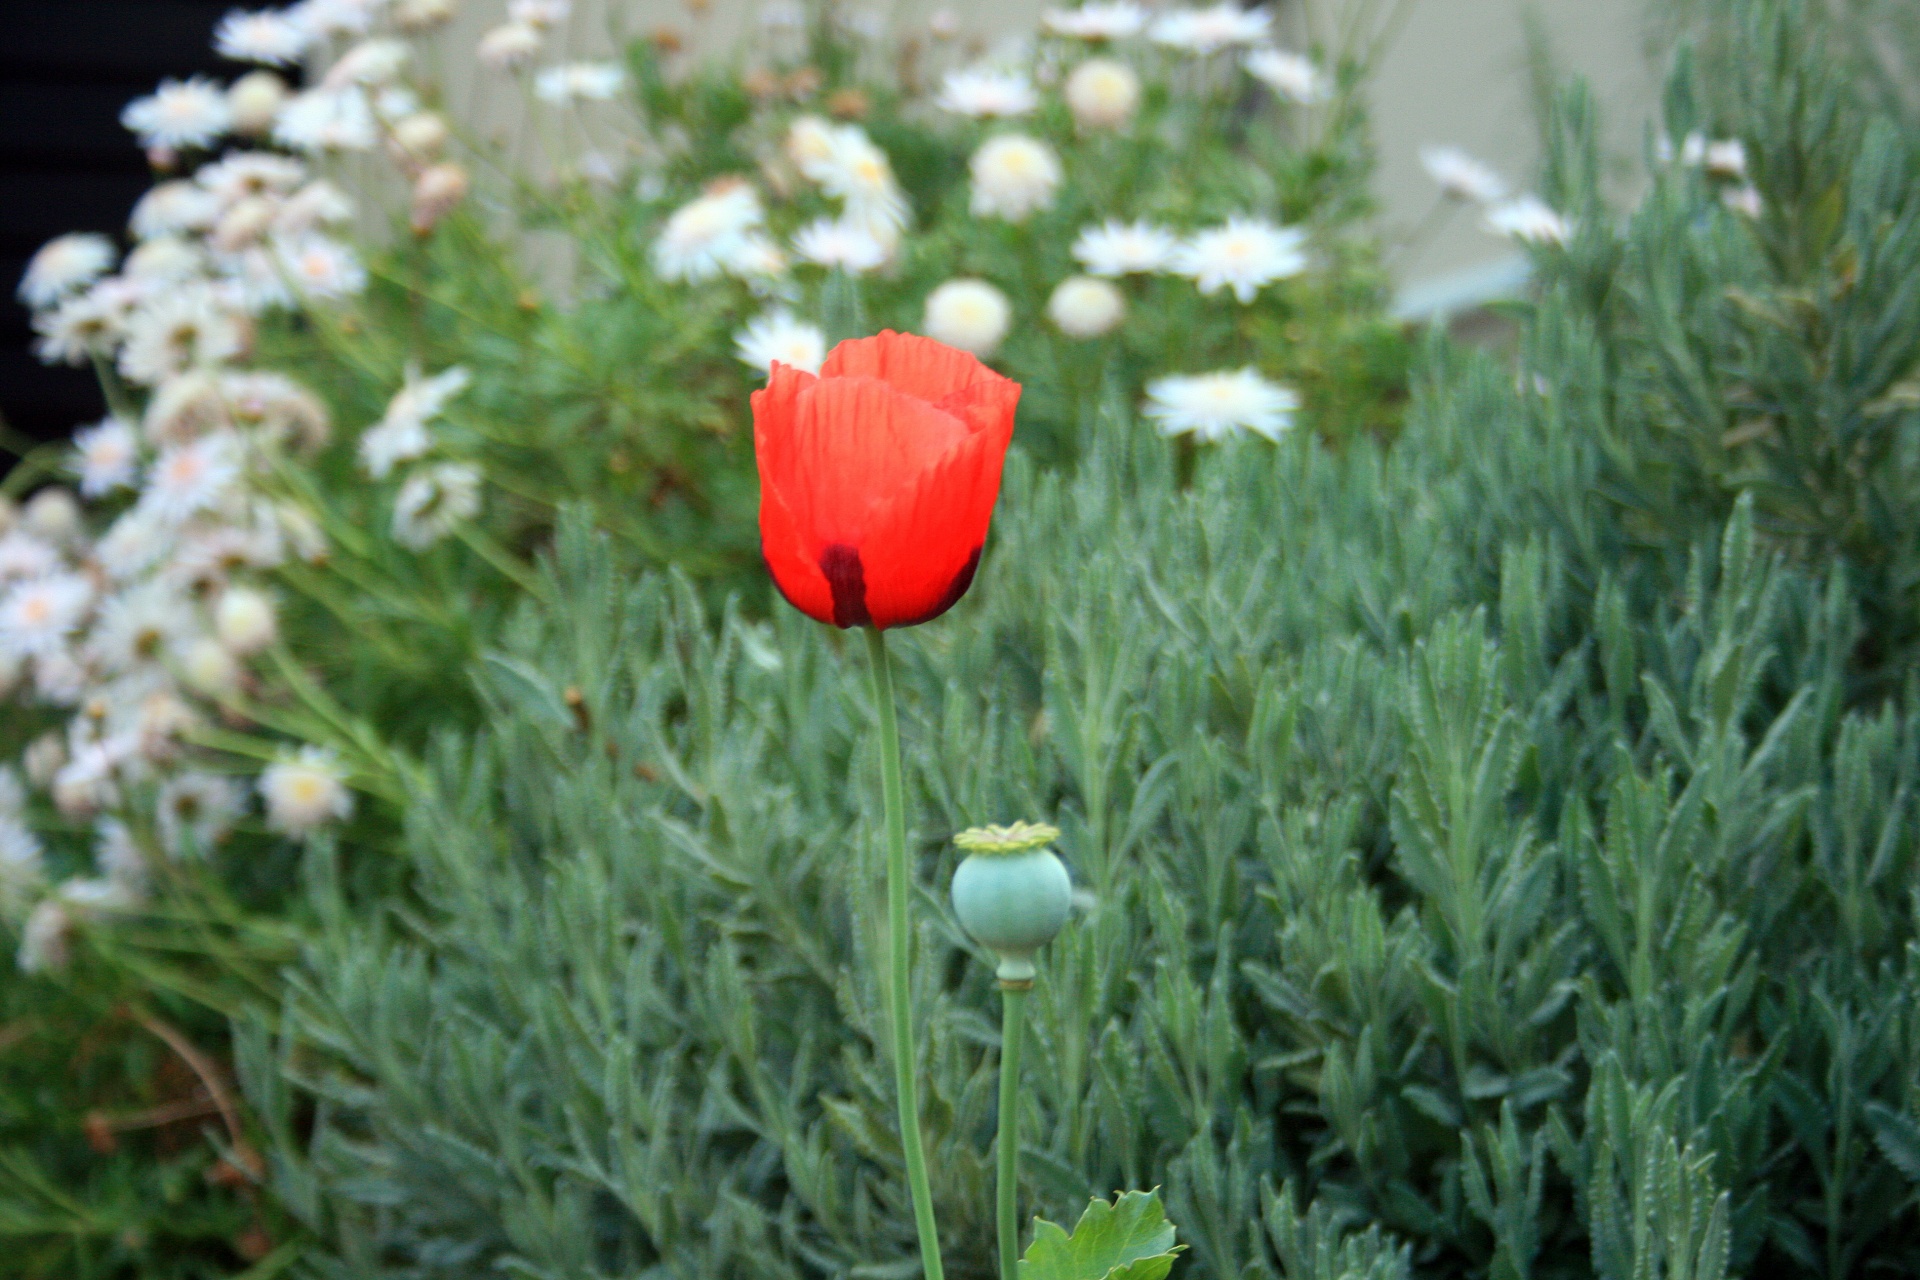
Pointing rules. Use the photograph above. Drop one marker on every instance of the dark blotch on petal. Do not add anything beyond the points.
(955, 589)
(848, 582)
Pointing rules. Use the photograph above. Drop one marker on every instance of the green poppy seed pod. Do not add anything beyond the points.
(1011, 893)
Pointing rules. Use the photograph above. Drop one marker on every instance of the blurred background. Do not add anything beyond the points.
(1462, 72)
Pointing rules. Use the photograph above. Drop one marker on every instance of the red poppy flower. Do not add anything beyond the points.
(878, 478)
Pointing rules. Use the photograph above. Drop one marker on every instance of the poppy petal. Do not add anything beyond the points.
(855, 443)
(909, 363)
(921, 548)
(794, 566)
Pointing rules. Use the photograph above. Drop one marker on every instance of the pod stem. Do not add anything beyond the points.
(899, 943)
(1013, 1008)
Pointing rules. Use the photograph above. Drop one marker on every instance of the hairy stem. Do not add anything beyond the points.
(899, 941)
(1013, 1008)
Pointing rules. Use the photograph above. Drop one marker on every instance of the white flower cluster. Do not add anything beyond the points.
(1724, 160)
(144, 630)
(1524, 217)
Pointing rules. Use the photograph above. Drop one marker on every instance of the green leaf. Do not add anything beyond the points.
(1129, 1239)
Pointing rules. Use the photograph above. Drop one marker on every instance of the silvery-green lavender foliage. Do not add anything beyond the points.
(1497, 850)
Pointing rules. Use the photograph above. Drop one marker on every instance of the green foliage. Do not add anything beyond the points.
(1501, 842)
(1127, 1239)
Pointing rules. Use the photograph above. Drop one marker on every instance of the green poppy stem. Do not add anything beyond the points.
(899, 942)
(1013, 1009)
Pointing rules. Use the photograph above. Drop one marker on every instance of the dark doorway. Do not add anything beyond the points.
(67, 68)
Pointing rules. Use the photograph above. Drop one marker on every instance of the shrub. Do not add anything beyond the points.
(1497, 847)
(352, 386)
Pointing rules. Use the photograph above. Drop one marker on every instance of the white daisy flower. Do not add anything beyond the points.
(46, 939)
(64, 265)
(179, 329)
(983, 93)
(403, 434)
(81, 327)
(187, 479)
(106, 456)
(24, 556)
(969, 314)
(132, 545)
(37, 616)
(370, 63)
(196, 811)
(1243, 255)
(838, 245)
(1461, 176)
(275, 37)
(433, 501)
(1292, 76)
(165, 260)
(756, 258)
(1726, 158)
(22, 864)
(1211, 29)
(240, 174)
(703, 235)
(1216, 406)
(510, 45)
(780, 336)
(423, 15)
(1084, 307)
(540, 14)
(1013, 175)
(180, 114)
(174, 208)
(117, 856)
(580, 82)
(340, 17)
(1744, 200)
(850, 168)
(275, 408)
(1117, 248)
(305, 791)
(1102, 93)
(138, 627)
(321, 267)
(327, 119)
(1097, 21)
(1528, 219)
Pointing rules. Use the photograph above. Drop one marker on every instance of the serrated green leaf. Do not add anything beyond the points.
(1129, 1239)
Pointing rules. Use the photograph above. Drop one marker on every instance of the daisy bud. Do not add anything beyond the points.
(422, 15)
(44, 757)
(969, 314)
(1102, 93)
(436, 193)
(1084, 307)
(254, 100)
(208, 668)
(45, 940)
(245, 620)
(52, 514)
(1011, 894)
(420, 137)
(244, 225)
(1013, 175)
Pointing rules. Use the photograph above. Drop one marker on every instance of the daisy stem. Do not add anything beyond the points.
(899, 940)
(1013, 1008)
